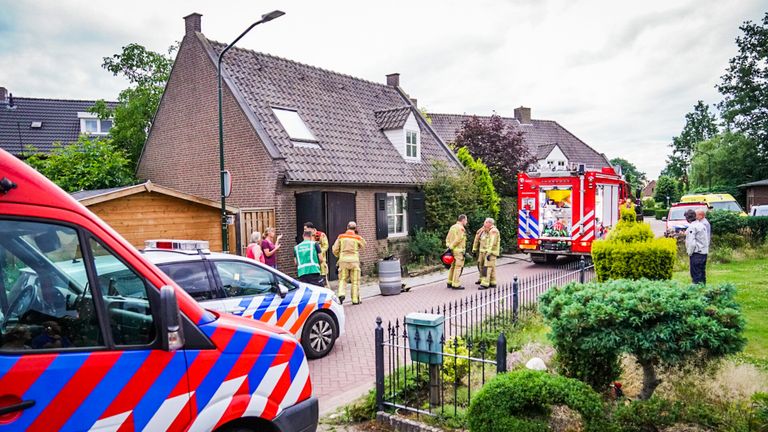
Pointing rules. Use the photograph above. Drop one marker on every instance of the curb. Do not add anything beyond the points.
(401, 424)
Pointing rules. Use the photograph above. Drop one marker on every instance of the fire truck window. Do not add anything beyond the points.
(126, 298)
(556, 212)
(46, 301)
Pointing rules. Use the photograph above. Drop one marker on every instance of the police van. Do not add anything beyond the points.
(95, 337)
(242, 286)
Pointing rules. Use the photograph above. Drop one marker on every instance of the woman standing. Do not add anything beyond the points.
(254, 251)
(270, 245)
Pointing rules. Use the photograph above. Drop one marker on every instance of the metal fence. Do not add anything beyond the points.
(437, 372)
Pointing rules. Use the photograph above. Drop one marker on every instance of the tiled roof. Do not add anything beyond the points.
(755, 183)
(541, 137)
(340, 110)
(58, 117)
(394, 118)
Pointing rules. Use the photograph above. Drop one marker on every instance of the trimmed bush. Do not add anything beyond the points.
(654, 259)
(521, 401)
(455, 369)
(661, 213)
(630, 232)
(649, 203)
(650, 415)
(425, 246)
(754, 229)
(649, 211)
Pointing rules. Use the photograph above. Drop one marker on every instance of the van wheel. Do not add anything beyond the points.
(319, 335)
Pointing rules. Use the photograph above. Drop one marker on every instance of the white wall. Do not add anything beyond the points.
(397, 137)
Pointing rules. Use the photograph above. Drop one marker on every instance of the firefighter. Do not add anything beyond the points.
(456, 241)
(475, 248)
(306, 255)
(322, 240)
(490, 248)
(347, 249)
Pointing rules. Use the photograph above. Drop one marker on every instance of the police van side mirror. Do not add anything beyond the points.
(283, 291)
(171, 333)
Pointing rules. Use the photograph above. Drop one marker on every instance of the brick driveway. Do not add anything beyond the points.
(349, 370)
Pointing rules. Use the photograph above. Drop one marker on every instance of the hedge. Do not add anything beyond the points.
(661, 213)
(649, 211)
(629, 232)
(652, 259)
(754, 228)
(522, 400)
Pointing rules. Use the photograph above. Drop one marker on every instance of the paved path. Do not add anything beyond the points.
(658, 227)
(348, 372)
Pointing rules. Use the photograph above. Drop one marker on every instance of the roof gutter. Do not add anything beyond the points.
(288, 182)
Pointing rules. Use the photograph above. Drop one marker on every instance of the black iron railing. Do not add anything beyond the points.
(468, 348)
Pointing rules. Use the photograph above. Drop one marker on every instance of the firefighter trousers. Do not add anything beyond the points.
(454, 274)
(349, 272)
(480, 260)
(324, 274)
(488, 272)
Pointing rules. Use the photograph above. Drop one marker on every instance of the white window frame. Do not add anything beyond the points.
(83, 116)
(305, 138)
(404, 197)
(417, 144)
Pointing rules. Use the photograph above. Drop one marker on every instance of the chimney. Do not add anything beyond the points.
(3, 95)
(523, 115)
(192, 23)
(393, 80)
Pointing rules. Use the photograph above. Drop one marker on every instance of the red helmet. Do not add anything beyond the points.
(447, 258)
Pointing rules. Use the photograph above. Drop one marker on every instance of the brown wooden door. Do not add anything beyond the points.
(340, 209)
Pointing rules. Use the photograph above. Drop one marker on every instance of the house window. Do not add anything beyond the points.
(397, 215)
(91, 124)
(293, 124)
(412, 144)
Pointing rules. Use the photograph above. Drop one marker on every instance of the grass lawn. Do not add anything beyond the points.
(751, 280)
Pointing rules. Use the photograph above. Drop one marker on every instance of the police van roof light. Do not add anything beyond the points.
(185, 245)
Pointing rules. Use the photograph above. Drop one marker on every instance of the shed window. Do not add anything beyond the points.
(293, 124)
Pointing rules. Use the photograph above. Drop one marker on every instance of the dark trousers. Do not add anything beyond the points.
(313, 279)
(699, 268)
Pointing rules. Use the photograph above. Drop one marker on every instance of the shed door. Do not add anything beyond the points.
(340, 210)
(310, 207)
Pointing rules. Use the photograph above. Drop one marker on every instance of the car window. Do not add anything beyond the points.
(125, 297)
(726, 205)
(192, 277)
(243, 279)
(45, 299)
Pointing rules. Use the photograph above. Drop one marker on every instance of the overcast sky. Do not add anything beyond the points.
(619, 75)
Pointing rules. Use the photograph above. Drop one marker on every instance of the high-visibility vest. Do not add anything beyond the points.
(306, 258)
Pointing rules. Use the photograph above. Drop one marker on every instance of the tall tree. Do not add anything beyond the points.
(666, 187)
(745, 86)
(700, 125)
(634, 176)
(147, 72)
(502, 149)
(722, 163)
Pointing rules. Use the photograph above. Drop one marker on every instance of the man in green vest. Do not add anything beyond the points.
(306, 255)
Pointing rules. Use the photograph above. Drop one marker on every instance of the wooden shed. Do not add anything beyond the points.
(150, 211)
(756, 192)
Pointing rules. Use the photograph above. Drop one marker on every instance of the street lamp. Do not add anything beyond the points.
(222, 173)
(709, 168)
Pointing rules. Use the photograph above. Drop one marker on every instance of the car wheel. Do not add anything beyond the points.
(319, 335)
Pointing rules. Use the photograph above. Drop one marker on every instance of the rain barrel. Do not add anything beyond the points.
(390, 282)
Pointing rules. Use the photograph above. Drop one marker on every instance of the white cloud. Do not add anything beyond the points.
(619, 75)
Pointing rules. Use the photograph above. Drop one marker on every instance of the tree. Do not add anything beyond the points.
(667, 191)
(745, 86)
(84, 165)
(700, 125)
(502, 149)
(488, 198)
(147, 72)
(724, 162)
(663, 324)
(448, 193)
(634, 176)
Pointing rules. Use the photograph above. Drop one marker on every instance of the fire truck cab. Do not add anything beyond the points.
(560, 212)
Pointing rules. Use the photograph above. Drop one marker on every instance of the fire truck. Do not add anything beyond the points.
(562, 211)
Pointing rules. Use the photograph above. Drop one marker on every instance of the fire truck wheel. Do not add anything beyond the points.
(551, 259)
(319, 335)
(538, 258)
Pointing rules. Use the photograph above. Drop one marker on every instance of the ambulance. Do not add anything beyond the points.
(562, 211)
(95, 337)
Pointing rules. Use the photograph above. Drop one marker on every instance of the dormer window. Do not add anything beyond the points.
(412, 150)
(91, 124)
(402, 130)
(295, 127)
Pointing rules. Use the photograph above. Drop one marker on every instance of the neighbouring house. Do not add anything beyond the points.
(302, 144)
(552, 145)
(35, 122)
(649, 190)
(756, 193)
(148, 211)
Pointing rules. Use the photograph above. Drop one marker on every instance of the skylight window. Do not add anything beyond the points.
(293, 124)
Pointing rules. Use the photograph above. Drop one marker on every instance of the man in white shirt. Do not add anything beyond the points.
(701, 216)
(697, 246)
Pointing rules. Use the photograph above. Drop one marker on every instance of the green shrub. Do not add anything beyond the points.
(522, 401)
(449, 193)
(758, 229)
(649, 211)
(425, 246)
(363, 409)
(730, 240)
(649, 203)
(760, 405)
(653, 259)
(661, 213)
(455, 369)
(649, 415)
(507, 224)
(630, 232)
(489, 198)
(725, 222)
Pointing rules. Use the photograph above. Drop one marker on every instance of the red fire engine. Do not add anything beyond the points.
(560, 212)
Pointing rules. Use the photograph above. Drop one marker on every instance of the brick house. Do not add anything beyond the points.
(756, 193)
(302, 144)
(649, 190)
(550, 143)
(40, 122)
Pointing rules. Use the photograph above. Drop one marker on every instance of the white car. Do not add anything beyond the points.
(759, 210)
(242, 286)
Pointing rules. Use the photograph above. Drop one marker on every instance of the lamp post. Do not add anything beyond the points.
(709, 168)
(222, 173)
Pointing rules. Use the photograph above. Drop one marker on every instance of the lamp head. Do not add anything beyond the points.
(272, 15)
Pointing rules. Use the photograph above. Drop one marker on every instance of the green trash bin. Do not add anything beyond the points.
(425, 325)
